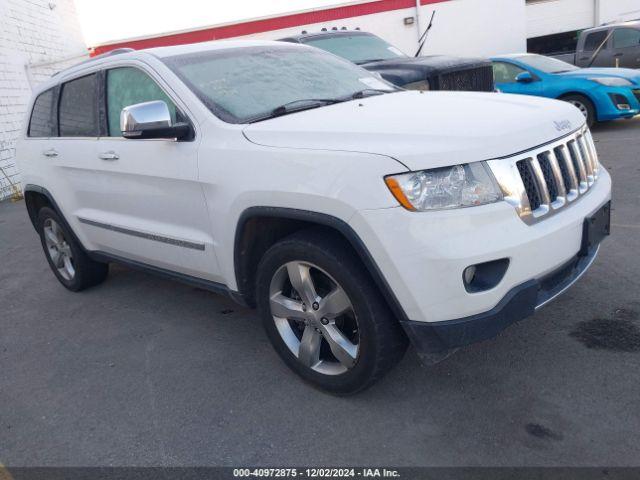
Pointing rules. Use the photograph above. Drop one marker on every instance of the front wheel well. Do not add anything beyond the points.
(260, 228)
(578, 94)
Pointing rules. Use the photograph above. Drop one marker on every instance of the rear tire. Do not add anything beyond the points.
(585, 106)
(69, 262)
(360, 341)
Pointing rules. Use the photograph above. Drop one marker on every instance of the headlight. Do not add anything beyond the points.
(612, 81)
(421, 85)
(442, 188)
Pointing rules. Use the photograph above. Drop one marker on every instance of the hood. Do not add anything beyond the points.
(626, 73)
(424, 130)
(440, 63)
(412, 69)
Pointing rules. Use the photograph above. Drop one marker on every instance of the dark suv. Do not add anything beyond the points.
(429, 72)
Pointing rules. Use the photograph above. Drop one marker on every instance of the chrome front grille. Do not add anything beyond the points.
(547, 179)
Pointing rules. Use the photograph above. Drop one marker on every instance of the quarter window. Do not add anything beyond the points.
(43, 119)
(79, 108)
(506, 72)
(128, 86)
(626, 37)
(594, 40)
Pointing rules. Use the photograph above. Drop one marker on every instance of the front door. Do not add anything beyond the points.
(140, 199)
(626, 47)
(505, 75)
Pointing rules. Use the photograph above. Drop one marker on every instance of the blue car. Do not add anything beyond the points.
(601, 94)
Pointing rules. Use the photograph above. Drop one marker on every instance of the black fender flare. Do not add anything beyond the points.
(33, 216)
(326, 220)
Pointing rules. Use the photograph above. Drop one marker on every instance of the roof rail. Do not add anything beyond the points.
(117, 51)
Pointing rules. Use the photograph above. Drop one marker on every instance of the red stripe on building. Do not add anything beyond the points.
(266, 25)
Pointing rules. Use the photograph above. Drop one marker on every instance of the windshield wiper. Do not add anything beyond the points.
(372, 60)
(296, 106)
(309, 103)
(369, 92)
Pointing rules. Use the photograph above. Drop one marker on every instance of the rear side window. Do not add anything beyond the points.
(78, 115)
(626, 37)
(594, 40)
(43, 116)
(128, 86)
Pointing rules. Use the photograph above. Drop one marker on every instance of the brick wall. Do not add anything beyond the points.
(37, 38)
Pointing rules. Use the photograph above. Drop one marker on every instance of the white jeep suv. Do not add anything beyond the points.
(352, 214)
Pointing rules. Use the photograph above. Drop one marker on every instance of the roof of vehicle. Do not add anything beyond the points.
(607, 26)
(514, 56)
(334, 32)
(159, 52)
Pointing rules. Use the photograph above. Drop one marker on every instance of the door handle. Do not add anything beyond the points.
(618, 55)
(109, 156)
(50, 153)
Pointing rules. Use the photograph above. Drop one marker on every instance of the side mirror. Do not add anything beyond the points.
(151, 120)
(524, 77)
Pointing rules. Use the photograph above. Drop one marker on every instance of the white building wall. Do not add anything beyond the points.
(461, 27)
(547, 17)
(37, 38)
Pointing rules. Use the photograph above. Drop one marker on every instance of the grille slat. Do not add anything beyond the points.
(586, 157)
(578, 166)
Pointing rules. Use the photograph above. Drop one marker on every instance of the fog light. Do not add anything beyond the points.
(484, 276)
(468, 274)
(620, 101)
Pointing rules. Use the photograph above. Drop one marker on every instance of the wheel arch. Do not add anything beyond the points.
(580, 94)
(259, 228)
(37, 197)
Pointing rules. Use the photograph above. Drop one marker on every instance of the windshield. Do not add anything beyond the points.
(241, 85)
(547, 64)
(357, 48)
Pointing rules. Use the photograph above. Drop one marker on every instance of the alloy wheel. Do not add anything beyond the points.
(314, 317)
(58, 249)
(581, 106)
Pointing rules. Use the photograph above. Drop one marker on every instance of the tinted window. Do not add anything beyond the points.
(78, 108)
(357, 48)
(128, 86)
(506, 72)
(626, 37)
(594, 40)
(244, 84)
(43, 118)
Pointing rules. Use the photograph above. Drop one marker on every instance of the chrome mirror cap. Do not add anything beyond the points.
(141, 117)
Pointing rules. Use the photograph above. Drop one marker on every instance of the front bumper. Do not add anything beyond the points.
(606, 103)
(519, 303)
(422, 257)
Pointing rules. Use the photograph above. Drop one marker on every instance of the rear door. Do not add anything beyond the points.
(626, 47)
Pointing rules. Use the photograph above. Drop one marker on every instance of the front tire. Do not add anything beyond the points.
(585, 106)
(69, 262)
(324, 315)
